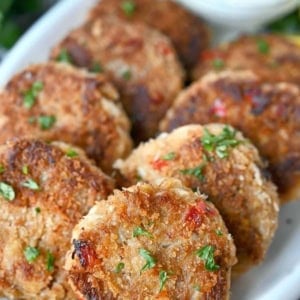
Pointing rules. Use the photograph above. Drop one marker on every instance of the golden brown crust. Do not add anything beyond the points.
(187, 32)
(247, 201)
(137, 59)
(179, 223)
(42, 218)
(86, 108)
(272, 57)
(268, 114)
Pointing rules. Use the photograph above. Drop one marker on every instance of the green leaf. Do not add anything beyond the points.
(50, 261)
(7, 191)
(128, 7)
(46, 122)
(219, 232)
(37, 210)
(31, 184)
(169, 156)
(138, 231)
(150, 260)
(206, 253)
(127, 75)
(31, 94)
(71, 153)
(263, 46)
(31, 253)
(64, 56)
(2, 169)
(120, 267)
(25, 169)
(197, 171)
(96, 68)
(218, 63)
(163, 277)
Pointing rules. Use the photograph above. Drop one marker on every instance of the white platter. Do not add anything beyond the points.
(278, 278)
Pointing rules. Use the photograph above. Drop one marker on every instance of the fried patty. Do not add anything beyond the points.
(273, 58)
(188, 33)
(268, 114)
(158, 241)
(140, 61)
(222, 164)
(44, 191)
(58, 102)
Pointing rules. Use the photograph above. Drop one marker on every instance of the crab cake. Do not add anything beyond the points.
(217, 160)
(273, 57)
(268, 114)
(44, 190)
(158, 241)
(189, 39)
(58, 102)
(140, 61)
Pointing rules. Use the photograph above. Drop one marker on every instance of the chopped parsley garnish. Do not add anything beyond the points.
(96, 68)
(46, 122)
(197, 172)
(30, 95)
(206, 253)
(150, 260)
(219, 232)
(25, 169)
(126, 75)
(163, 277)
(263, 46)
(169, 156)
(31, 184)
(71, 153)
(7, 191)
(138, 231)
(218, 63)
(221, 142)
(196, 287)
(50, 261)
(37, 210)
(120, 266)
(2, 169)
(31, 253)
(64, 56)
(128, 7)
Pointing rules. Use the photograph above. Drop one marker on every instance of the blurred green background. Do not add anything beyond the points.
(17, 15)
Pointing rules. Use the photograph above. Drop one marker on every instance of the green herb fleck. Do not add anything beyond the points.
(46, 122)
(169, 156)
(64, 56)
(197, 171)
(163, 277)
(31, 184)
(7, 191)
(220, 143)
(138, 231)
(128, 7)
(71, 153)
(31, 253)
(37, 210)
(219, 232)
(25, 169)
(50, 261)
(218, 63)
(196, 287)
(96, 68)
(30, 95)
(2, 169)
(150, 260)
(263, 46)
(126, 75)
(206, 253)
(120, 266)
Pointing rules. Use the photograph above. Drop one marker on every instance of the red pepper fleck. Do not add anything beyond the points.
(86, 254)
(158, 164)
(163, 48)
(218, 108)
(157, 98)
(211, 55)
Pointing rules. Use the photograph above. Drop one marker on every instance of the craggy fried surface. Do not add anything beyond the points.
(86, 109)
(272, 57)
(236, 184)
(140, 61)
(268, 114)
(187, 32)
(43, 218)
(178, 222)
